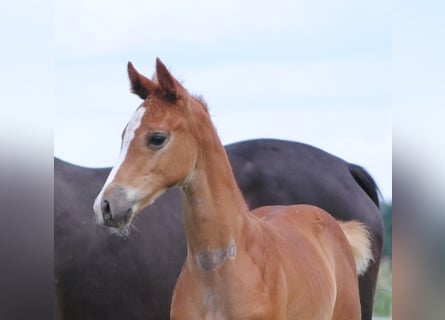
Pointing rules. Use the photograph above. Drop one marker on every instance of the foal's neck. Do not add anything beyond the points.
(215, 212)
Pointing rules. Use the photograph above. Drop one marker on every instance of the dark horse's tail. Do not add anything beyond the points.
(366, 182)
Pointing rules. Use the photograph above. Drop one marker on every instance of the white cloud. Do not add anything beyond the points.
(84, 28)
(251, 83)
(96, 26)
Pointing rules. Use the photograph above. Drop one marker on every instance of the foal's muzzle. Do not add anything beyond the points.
(115, 208)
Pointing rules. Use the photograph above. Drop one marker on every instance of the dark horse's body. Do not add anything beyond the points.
(99, 276)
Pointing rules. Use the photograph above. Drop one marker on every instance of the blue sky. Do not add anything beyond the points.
(318, 72)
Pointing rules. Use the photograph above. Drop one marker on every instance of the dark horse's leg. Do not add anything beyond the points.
(374, 223)
(368, 282)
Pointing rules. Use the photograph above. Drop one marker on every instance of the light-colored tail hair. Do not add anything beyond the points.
(360, 242)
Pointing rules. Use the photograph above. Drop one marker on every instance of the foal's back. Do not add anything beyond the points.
(316, 259)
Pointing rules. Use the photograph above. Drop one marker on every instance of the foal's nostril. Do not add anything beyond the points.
(115, 209)
(106, 211)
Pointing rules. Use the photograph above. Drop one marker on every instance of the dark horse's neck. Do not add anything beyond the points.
(215, 212)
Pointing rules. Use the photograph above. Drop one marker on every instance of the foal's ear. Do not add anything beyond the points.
(140, 85)
(171, 86)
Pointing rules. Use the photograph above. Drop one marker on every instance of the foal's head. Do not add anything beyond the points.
(159, 150)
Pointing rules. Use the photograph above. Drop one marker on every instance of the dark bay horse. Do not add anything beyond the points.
(99, 276)
(274, 262)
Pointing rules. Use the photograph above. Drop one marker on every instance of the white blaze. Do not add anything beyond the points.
(129, 134)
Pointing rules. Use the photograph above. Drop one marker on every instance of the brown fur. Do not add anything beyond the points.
(280, 262)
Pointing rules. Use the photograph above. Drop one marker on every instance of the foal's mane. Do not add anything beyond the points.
(201, 100)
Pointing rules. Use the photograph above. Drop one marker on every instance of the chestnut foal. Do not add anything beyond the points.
(276, 262)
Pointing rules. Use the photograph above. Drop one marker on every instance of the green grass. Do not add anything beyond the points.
(383, 297)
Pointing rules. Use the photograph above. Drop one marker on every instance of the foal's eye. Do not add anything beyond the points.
(157, 140)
